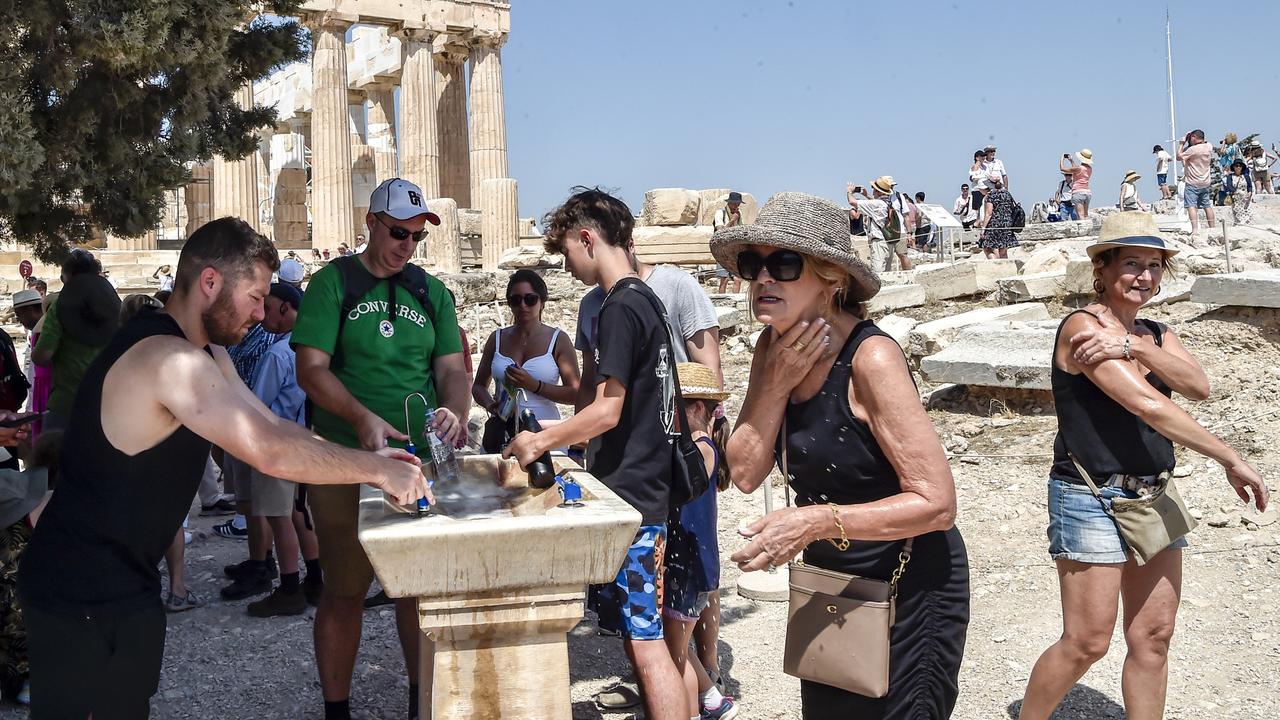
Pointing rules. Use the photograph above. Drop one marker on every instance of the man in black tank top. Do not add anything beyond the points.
(141, 426)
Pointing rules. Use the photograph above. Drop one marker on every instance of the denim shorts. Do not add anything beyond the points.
(632, 603)
(1081, 197)
(1081, 530)
(1194, 197)
(1162, 179)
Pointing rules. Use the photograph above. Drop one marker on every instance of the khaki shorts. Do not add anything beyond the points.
(270, 496)
(882, 254)
(335, 510)
(237, 476)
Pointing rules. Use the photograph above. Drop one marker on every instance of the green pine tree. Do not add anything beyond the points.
(103, 102)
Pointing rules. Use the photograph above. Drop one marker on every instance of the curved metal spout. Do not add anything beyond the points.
(408, 429)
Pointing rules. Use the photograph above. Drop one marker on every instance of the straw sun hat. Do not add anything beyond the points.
(1132, 228)
(807, 224)
(1132, 176)
(1085, 156)
(698, 382)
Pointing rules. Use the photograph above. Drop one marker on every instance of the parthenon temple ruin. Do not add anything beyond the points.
(408, 88)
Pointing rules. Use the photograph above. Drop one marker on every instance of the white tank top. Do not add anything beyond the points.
(542, 367)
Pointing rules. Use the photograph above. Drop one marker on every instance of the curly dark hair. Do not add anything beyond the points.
(591, 208)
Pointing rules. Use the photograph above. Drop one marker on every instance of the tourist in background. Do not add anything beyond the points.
(977, 181)
(532, 364)
(164, 276)
(997, 226)
(1196, 157)
(1239, 186)
(1129, 199)
(832, 395)
(963, 208)
(1227, 152)
(726, 217)
(923, 232)
(1113, 377)
(1081, 172)
(1066, 209)
(886, 215)
(992, 166)
(1162, 171)
(1260, 162)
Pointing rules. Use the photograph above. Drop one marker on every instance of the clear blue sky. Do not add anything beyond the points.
(770, 95)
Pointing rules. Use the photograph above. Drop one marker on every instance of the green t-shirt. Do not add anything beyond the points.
(382, 360)
(71, 358)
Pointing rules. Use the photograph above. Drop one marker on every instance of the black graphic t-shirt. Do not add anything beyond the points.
(634, 459)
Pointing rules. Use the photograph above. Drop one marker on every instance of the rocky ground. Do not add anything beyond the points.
(221, 663)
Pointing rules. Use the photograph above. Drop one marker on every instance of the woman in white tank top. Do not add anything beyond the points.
(533, 365)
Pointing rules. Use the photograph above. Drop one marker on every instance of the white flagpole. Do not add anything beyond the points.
(1173, 125)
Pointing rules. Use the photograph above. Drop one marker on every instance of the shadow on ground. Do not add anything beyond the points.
(1082, 703)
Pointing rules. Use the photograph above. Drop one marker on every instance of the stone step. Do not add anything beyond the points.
(964, 278)
(896, 297)
(935, 335)
(1008, 354)
(1036, 286)
(1255, 288)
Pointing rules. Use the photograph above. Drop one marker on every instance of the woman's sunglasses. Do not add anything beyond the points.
(529, 299)
(400, 233)
(783, 265)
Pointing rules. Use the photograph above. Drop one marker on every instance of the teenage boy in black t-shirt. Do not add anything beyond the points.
(632, 413)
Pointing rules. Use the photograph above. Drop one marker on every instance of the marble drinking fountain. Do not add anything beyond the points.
(499, 570)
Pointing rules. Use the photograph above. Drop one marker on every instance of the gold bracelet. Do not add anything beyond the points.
(844, 539)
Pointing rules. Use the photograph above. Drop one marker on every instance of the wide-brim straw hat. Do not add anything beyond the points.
(1132, 176)
(884, 184)
(1132, 228)
(1085, 156)
(807, 224)
(698, 382)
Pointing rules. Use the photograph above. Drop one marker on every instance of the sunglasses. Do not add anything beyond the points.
(400, 233)
(529, 299)
(783, 265)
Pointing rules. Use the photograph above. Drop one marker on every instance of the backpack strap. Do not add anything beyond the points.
(357, 281)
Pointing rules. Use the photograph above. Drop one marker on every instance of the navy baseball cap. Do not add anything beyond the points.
(287, 293)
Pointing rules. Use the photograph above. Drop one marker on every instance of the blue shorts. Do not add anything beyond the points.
(1194, 197)
(1162, 179)
(632, 603)
(1081, 530)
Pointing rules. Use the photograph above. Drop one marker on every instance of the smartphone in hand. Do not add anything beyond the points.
(20, 420)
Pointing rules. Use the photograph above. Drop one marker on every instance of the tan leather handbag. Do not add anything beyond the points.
(838, 625)
(1148, 524)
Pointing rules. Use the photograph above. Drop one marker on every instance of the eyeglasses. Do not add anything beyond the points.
(529, 299)
(400, 233)
(783, 265)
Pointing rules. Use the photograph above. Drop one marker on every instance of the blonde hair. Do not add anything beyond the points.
(838, 281)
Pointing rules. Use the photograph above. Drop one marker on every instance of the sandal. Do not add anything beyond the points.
(618, 697)
(175, 604)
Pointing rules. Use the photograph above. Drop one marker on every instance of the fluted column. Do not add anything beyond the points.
(332, 218)
(443, 245)
(499, 220)
(235, 183)
(419, 146)
(382, 130)
(451, 116)
(488, 116)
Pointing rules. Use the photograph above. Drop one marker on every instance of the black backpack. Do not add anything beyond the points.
(13, 383)
(1018, 220)
(357, 281)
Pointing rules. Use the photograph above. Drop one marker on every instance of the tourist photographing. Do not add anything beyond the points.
(136, 446)
(1113, 377)
(1080, 172)
(1197, 157)
(831, 401)
(963, 208)
(533, 365)
(886, 217)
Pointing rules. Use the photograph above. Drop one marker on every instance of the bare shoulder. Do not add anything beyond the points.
(880, 356)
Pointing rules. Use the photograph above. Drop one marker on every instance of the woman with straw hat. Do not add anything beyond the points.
(1129, 199)
(1113, 378)
(1080, 173)
(1239, 185)
(832, 397)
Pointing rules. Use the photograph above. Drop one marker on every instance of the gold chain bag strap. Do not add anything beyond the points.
(838, 625)
(1150, 523)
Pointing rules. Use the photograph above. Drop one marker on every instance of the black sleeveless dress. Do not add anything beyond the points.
(833, 457)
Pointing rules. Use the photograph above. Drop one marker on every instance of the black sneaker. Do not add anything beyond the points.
(222, 506)
(377, 600)
(311, 590)
(243, 568)
(247, 586)
(277, 603)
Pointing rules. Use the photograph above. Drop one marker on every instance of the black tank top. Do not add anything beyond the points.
(1106, 438)
(108, 524)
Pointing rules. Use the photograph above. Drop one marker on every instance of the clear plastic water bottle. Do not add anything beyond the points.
(442, 458)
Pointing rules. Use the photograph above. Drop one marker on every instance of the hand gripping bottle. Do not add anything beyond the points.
(542, 473)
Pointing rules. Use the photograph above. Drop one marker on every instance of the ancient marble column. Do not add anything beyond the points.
(499, 219)
(289, 193)
(363, 181)
(488, 116)
(442, 246)
(332, 217)
(451, 116)
(198, 198)
(382, 130)
(235, 183)
(419, 146)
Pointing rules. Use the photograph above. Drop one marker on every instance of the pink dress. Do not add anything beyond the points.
(41, 384)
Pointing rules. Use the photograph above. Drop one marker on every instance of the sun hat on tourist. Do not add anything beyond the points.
(291, 271)
(698, 382)
(1085, 156)
(734, 197)
(1132, 176)
(401, 200)
(884, 184)
(989, 148)
(23, 298)
(807, 224)
(1132, 228)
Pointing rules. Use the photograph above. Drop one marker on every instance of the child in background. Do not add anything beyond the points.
(693, 552)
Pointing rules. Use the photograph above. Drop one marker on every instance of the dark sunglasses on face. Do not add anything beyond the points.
(783, 265)
(529, 299)
(400, 233)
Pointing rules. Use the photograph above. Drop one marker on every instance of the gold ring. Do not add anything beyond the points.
(798, 346)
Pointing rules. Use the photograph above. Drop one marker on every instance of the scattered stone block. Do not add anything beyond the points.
(1058, 230)
(1013, 355)
(675, 245)
(1038, 286)
(935, 335)
(896, 297)
(670, 206)
(962, 279)
(1079, 277)
(898, 327)
(728, 318)
(528, 256)
(1174, 289)
(1046, 259)
(1256, 288)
